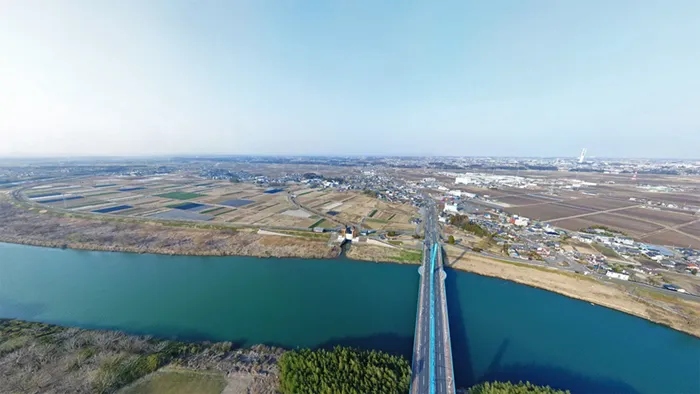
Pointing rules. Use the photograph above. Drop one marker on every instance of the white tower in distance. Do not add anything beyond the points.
(583, 156)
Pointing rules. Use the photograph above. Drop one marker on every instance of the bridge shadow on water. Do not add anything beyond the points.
(461, 355)
(540, 374)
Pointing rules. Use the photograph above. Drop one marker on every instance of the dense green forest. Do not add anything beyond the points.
(343, 370)
(510, 388)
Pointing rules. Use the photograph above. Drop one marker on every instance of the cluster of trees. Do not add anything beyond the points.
(608, 232)
(510, 388)
(312, 175)
(370, 193)
(343, 370)
(463, 222)
(535, 256)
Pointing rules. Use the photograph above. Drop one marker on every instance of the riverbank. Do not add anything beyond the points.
(679, 314)
(383, 254)
(42, 228)
(38, 357)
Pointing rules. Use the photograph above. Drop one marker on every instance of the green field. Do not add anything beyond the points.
(372, 213)
(178, 382)
(226, 210)
(180, 195)
(318, 224)
(407, 256)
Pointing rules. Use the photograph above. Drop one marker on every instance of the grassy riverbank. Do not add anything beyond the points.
(384, 254)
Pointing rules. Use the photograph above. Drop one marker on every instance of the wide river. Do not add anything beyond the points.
(500, 330)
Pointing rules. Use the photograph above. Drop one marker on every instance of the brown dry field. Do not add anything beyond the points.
(627, 225)
(575, 224)
(493, 193)
(693, 229)
(601, 203)
(539, 195)
(522, 200)
(584, 248)
(691, 197)
(310, 198)
(673, 238)
(659, 216)
(547, 211)
(356, 206)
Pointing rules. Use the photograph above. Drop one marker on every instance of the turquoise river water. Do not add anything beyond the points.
(500, 330)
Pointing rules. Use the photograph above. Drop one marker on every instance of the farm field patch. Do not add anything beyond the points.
(693, 229)
(521, 200)
(53, 200)
(236, 203)
(187, 206)
(575, 224)
(601, 204)
(112, 209)
(547, 211)
(180, 195)
(177, 214)
(673, 238)
(300, 213)
(42, 195)
(628, 225)
(659, 216)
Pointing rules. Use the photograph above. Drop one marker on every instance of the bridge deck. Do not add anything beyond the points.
(432, 370)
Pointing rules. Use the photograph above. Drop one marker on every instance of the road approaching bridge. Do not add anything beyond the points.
(432, 371)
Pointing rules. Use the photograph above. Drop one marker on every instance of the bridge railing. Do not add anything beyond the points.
(418, 303)
(432, 319)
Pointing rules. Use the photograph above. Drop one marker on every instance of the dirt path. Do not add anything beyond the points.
(675, 228)
(591, 213)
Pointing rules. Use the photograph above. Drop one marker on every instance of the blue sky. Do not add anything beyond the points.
(526, 78)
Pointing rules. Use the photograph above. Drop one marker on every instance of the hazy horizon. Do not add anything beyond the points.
(321, 155)
(459, 78)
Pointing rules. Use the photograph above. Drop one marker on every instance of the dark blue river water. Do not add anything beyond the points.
(500, 330)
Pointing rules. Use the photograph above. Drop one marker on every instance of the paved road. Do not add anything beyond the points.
(435, 377)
